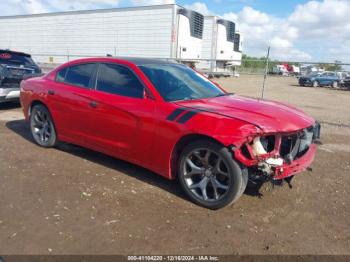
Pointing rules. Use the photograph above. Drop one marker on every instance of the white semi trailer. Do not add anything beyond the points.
(222, 47)
(162, 31)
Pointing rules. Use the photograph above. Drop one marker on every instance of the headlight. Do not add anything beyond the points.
(263, 145)
(258, 148)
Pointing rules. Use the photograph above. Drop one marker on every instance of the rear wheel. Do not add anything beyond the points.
(209, 175)
(42, 127)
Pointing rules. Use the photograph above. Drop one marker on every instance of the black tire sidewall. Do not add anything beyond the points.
(53, 138)
(236, 182)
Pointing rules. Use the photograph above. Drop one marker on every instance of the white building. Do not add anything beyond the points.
(222, 46)
(163, 31)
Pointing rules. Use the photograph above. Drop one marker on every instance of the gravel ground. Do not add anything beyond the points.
(74, 201)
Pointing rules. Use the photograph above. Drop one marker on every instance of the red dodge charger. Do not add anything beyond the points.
(170, 119)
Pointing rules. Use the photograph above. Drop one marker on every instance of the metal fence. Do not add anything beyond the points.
(219, 67)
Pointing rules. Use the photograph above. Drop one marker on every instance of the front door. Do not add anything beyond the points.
(123, 117)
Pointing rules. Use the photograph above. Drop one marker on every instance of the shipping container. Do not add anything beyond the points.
(162, 31)
(220, 51)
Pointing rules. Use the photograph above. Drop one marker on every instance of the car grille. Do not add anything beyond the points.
(294, 146)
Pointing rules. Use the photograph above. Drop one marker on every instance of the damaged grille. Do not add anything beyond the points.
(294, 146)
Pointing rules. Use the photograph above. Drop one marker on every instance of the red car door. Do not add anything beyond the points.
(123, 119)
(70, 99)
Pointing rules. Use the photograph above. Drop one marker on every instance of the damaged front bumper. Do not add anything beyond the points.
(278, 156)
(297, 166)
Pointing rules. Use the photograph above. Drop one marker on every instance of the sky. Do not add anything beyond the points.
(296, 30)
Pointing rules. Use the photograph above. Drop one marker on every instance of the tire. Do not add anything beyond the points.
(335, 84)
(42, 127)
(209, 175)
(315, 84)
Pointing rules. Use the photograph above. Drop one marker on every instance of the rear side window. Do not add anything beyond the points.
(119, 80)
(79, 75)
(15, 58)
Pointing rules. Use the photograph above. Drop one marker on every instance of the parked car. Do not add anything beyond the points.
(280, 70)
(346, 82)
(14, 66)
(320, 79)
(343, 75)
(172, 120)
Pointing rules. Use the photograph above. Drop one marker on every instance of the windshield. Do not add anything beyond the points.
(15, 59)
(177, 82)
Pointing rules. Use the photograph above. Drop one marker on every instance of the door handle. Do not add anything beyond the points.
(93, 104)
(51, 92)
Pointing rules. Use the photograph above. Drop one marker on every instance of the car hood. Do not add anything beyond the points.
(268, 115)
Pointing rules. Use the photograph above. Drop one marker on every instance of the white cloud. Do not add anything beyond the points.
(81, 4)
(324, 25)
(13, 7)
(200, 8)
(319, 19)
(321, 27)
(151, 2)
(261, 30)
(22, 7)
(253, 17)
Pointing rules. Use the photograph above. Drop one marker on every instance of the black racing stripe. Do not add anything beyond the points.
(175, 114)
(200, 109)
(187, 116)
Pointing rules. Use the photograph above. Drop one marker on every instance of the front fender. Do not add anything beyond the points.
(227, 131)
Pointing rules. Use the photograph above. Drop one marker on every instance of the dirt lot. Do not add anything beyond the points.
(75, 201)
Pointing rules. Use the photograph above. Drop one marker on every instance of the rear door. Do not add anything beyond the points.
(328, 78)
(70, 102)
(332, 77)
(322, 79)
(123, 117)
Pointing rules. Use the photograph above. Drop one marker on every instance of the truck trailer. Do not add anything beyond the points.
(222, 47)
(161, 31)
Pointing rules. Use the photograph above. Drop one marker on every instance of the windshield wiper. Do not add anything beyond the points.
(224, 94)
(184, 99)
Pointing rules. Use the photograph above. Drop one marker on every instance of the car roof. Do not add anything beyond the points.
(144, 61)
(138, 61)
(14, 52)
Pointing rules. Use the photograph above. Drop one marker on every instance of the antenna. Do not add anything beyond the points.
(266, 71)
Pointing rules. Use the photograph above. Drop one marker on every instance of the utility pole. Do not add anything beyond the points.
(266, 71)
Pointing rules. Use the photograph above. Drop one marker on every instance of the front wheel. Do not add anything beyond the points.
(42, 127)
(209, 175)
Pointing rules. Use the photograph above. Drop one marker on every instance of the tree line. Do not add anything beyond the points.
(259, 63)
